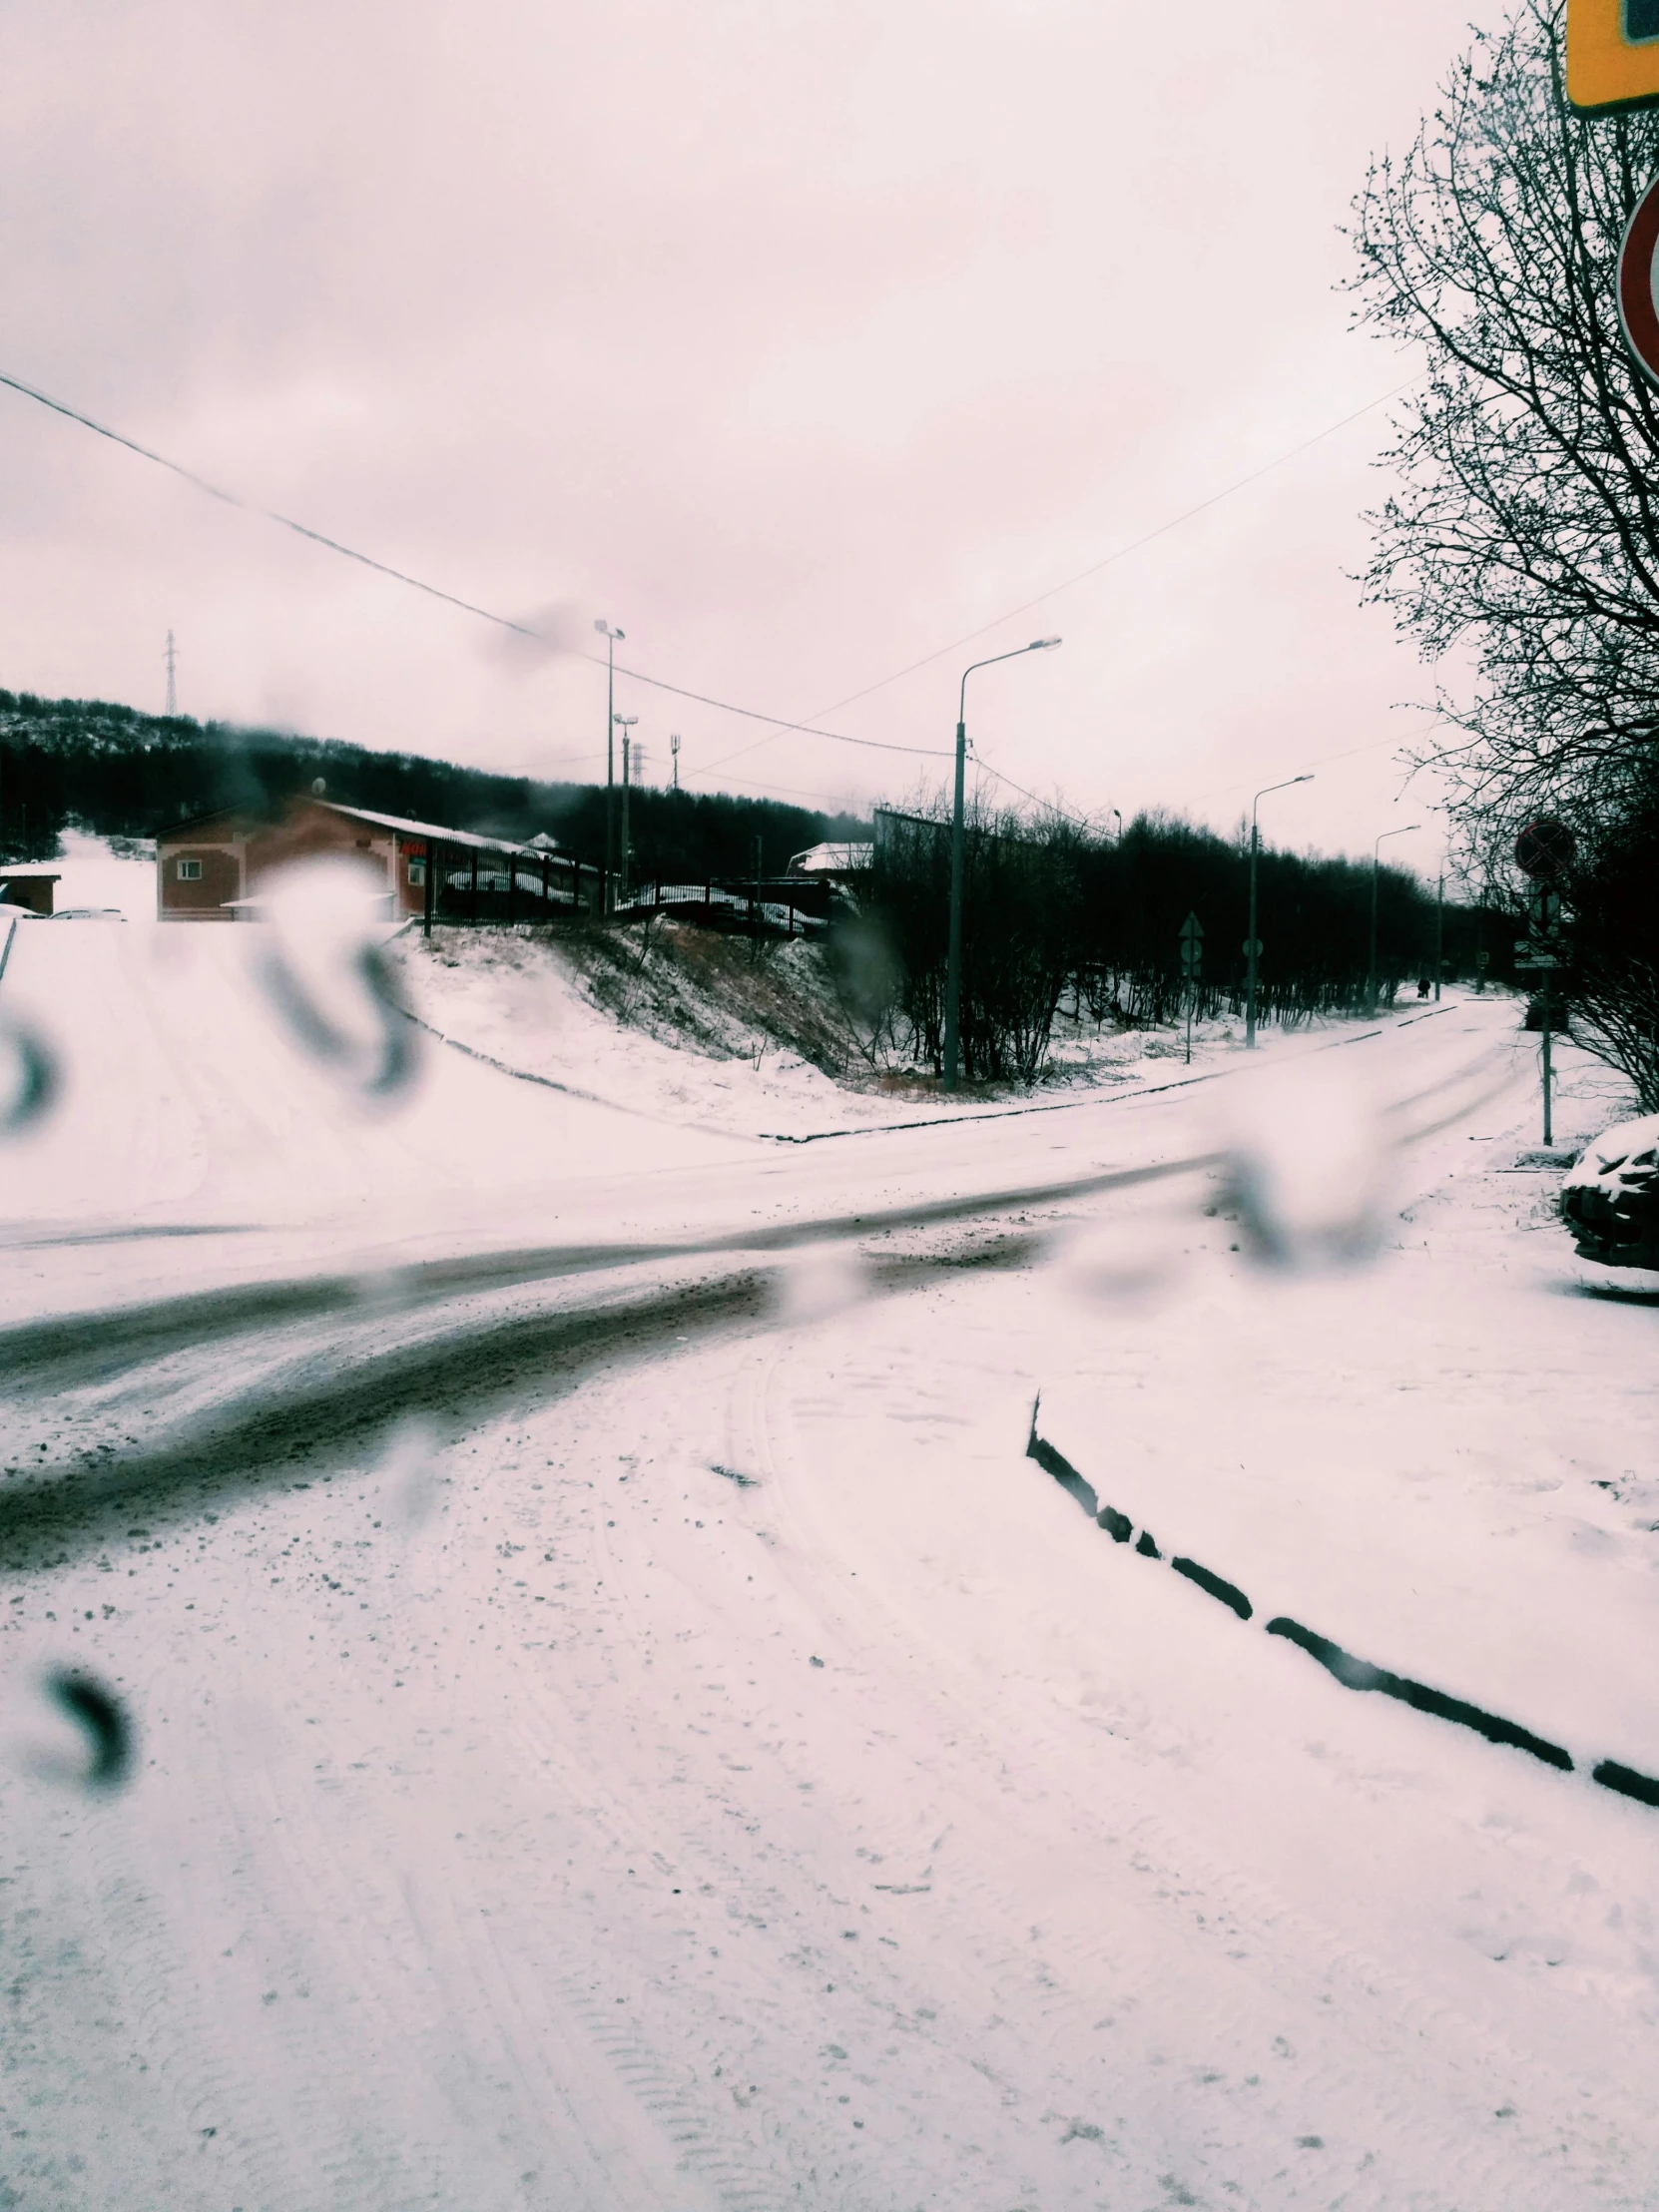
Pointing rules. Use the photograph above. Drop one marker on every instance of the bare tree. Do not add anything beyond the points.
(1524, 528)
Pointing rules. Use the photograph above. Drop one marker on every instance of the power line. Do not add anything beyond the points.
(1322, 760)
(778, 725)
(432, 591)
(1122, 553)
(1077, 822)
(789, 790)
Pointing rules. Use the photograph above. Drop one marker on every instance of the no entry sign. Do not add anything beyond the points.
(1544, 850)
(1638, 290)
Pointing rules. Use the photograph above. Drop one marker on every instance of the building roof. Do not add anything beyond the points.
(831, 860)
(195, 824)
(34, 871)
(405, 827)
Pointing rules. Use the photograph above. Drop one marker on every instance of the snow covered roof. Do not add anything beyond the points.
(406, 828)
(831, 860)
(402, 824)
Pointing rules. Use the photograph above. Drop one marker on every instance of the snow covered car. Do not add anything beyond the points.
(1610, 1200)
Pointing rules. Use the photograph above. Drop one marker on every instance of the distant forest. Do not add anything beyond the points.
(123, 773)
(1050, 909)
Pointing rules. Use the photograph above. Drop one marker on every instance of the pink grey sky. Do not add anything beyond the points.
(799, 338)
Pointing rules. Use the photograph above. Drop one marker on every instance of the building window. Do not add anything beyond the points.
(417, 873)
(190, 871)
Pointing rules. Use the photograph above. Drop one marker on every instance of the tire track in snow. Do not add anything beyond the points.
(549, 1710)
(57, 1352)
(53, 1353)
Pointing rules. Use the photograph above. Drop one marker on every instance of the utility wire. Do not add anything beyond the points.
(778, 724)
(1122, 553)
(1077, 822)
(450, 599)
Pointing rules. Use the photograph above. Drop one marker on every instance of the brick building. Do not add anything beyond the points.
(211, 869)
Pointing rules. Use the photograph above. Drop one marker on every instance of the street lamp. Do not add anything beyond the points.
(609, 636)
(1250, 947)
(624, 723)
(953, 970)
(1118, 818)
(1375, 869)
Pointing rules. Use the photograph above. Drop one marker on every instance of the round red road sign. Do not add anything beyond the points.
(1544, 850)
(1639, 283)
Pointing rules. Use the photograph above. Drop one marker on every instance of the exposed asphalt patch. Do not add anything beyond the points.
(85, 1347)
(47, 1240)
(341, 1401)
(1341, 1665)
(289, 1434)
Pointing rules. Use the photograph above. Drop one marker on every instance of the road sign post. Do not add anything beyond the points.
(1192, 960)
(1544, 852)
(1543, 1057)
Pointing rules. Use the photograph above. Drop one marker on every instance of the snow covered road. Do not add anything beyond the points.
(700, 1762)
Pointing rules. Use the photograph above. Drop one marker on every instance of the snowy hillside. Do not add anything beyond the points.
(753, 1040)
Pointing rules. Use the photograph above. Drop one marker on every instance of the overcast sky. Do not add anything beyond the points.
(799, 337)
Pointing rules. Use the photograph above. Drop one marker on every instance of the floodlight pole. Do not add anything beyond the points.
(610, 634)
(624, 723)
(953, 964)
(1375, 869)
(1250, 942)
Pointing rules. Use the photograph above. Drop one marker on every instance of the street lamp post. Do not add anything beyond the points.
(1439, 934)
(953, 967)
(624, 723)
(1250, 942)
(1376, 870)
(610, 634)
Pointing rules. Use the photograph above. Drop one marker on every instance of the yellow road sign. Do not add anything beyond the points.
(1612, 55)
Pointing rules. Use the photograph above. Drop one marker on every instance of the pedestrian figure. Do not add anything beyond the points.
(1423, 986)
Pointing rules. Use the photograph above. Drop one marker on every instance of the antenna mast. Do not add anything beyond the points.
(171, 658)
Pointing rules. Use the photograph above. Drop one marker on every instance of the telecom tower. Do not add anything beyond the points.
(674, 748)
(171, 658)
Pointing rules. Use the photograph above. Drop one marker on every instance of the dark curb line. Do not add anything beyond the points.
(1341, 1665)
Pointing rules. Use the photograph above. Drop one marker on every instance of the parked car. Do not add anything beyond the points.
(88, 913)
(1610, 1200)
